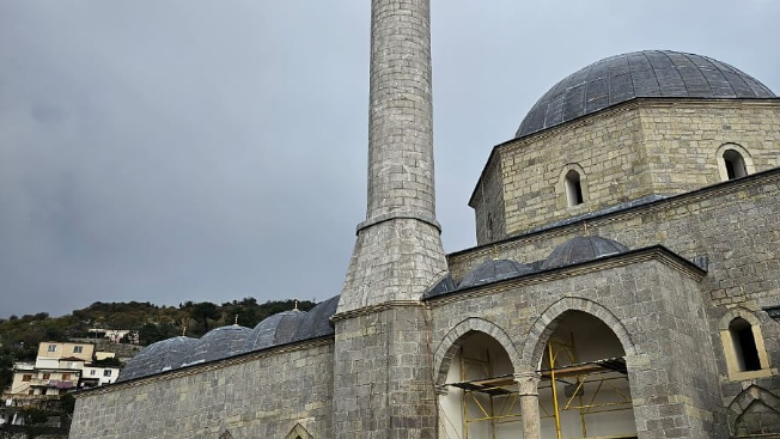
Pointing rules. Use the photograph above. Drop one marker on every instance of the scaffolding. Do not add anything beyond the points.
(589, 388)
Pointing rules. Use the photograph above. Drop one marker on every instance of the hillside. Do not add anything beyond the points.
(20, 336)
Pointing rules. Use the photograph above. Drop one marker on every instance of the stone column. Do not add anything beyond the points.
(529, 403)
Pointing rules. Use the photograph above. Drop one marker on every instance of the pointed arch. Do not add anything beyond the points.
(298, 432)
(226, 435)
(745, 404)
(546, 324)
(454, 339)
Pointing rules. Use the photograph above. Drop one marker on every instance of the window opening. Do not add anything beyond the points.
(744, 345)
(574, 188)
(735, 164)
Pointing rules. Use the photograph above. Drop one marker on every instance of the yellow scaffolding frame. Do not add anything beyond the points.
(603, 374)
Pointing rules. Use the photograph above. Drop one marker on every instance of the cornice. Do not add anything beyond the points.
(373, 309)
(656, 253)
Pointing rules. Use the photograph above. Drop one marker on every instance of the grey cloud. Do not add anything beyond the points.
(169, 150)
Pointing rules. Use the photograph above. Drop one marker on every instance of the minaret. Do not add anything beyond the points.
(382, 386)
(398, 253)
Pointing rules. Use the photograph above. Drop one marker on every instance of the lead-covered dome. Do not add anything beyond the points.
(275, 330)
(217, 344)
(158, 357)
(649, 73)
(582, 249)
(494, 271)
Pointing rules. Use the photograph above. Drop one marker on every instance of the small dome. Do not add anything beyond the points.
(217, 344)
(317, 321)
(158, 357)
(275, 330)
(650, 73)
(493, 271)
(582, 249)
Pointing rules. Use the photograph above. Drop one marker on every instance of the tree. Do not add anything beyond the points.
(204, 311)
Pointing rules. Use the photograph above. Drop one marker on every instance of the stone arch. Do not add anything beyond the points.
(747, 159)
(732, 314)
(226, 435)
(298, 432)
(546, 324)
(454, 339)
(743, 417)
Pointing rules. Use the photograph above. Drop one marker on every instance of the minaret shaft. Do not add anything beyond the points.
(400, 170)
(398, 253)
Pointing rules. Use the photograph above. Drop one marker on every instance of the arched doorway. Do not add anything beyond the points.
(479, 398)
(584, 392)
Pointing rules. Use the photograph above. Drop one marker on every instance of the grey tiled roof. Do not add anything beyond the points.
(275, 330)
(582, 249)
(649, 73)
(216, 344)
(493, 271)
(224, 342)
(317, 321)
(158, 357)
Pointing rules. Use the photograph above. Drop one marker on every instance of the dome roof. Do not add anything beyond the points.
(158, 357)
(582, 249)
(493, 271)
(275, 330)
(217, 344)
(649, 73)
(317, 321)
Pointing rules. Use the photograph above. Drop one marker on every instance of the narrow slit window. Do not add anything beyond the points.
(744, 345)
(735, 164)
(574, 188)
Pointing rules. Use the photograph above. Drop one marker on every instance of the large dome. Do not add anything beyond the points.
(650, 73)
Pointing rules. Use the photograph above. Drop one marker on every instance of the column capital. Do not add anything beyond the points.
(528, 383)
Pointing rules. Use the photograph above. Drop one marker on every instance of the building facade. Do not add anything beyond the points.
(625, 284)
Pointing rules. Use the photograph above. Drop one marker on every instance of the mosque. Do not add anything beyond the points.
(626, 281)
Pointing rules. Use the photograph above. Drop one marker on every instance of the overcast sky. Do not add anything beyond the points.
(173, 150)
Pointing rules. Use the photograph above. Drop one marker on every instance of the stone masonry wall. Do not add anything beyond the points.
(655, 310)
(382, 378)
(736, 225)
(682, 140)
(488, 204)
(608, 149)
(636, 149)
(259, 398)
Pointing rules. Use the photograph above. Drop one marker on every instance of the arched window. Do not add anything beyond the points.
(734, 161)
(574, 188)
(735, 164)
(744, 343)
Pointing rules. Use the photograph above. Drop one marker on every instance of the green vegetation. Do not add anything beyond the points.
(20, 336)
